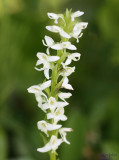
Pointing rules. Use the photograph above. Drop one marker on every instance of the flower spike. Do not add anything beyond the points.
(56, 67)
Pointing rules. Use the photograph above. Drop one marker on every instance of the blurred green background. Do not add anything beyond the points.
(93, 112)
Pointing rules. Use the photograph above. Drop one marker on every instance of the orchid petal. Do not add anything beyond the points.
(46, 73)
(47, 51)
(67, 70)
(38, 62)
(59, 30)
(68, 61)
(72, 47)
(53, 58)
(63, 118)
(66, 85)
(41, 69)
(45, 84)
(50, 116)
(34, 89)
(55, 17)
(64, 96)
(76, 14)
(49, 41)
(63, 133)
(46, 148)
(57, 46)
(52, 127)
(62, 104)
(64, 34)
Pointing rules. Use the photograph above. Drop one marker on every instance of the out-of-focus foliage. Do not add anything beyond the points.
(93, 112)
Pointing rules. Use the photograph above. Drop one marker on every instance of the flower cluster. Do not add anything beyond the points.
(56, 71)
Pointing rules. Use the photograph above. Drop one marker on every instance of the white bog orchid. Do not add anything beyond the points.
(38, 90)
(63, 133)
(66, 85)
(57, 46)
(66, 45)
(48, 94)
(74, 57)
(76, 14)
(59, 30)
(76, 33)
(67, 70)
(64, 96)
(45, 60)
(45, 127)
(62, 104)
(56, 17)
(80, 25)
(53, 144)
(52, 104)
(43, 106)
(57, 115)
(50, 44)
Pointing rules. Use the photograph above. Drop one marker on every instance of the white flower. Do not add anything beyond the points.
(57, 115)
(59, 30)
(50, 43)
(45, 127)
(80, 25)
(40, 98)
(67, 70)
(40, 87)
(55, 16)
(38, 90)
(62, 45)
(76, 14)
(66, 85)
(63, 95)
(45, 60)
(76, 33)
(43, 106)
(52, 104)
(53, 144)
(63, 133)
(74, 57)
(57, 46)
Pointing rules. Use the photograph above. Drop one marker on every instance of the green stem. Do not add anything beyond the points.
(52, 156)
(54, 80)
(62, 54)
(53, 84)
